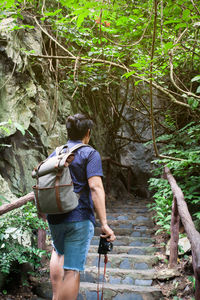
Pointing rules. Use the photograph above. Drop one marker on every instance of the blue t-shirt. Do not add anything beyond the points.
(86, 163)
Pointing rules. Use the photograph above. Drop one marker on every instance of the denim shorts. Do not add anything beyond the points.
(73, 241)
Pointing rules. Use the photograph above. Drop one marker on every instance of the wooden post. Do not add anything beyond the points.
(41, 234)
(175, 221)
(196, 268)
(192, 234)
(197, 285)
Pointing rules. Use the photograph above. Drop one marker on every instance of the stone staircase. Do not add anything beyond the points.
(129, 272)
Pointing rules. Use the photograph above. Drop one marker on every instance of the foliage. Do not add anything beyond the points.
(163, 203)
(109, 45)
(18, 241)
(192, 280)
(184, 145)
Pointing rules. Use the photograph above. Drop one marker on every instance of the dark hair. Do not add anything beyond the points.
(77, 126)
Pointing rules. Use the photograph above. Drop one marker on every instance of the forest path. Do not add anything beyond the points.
(129, 271)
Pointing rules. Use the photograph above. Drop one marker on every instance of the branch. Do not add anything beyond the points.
(172, 78)
(186, 48)
(132, 140)
(171, 157)
(178, 159)
(161, 24)
(151, 80)
(195, 7)
(180, 36)
(123, 67)
(148, 111)
(52, 38)
(75, 70)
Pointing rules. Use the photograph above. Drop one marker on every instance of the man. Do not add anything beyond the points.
(72, 232)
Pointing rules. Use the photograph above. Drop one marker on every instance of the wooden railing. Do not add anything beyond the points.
(20, 202)
(180, 212)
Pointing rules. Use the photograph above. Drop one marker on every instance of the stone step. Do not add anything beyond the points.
(139, 206)
(126, 202)
(131, 224)
(127, 216)
(119, 276)
(88, 291)
(127, 208)
(123, 261)
(127, 241)
(127, 250)
(130, 232)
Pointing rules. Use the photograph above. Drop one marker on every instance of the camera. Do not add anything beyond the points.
(104, 246)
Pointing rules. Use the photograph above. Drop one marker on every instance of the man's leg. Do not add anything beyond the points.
(56, 273)
(70, 285)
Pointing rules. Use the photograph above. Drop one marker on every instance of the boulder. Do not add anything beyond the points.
(183, 246)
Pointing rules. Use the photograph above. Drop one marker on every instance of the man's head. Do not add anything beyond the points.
(78, 126)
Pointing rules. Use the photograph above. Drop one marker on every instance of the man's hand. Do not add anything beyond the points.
(108, 233)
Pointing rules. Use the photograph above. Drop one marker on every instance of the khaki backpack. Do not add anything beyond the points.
(54, 190)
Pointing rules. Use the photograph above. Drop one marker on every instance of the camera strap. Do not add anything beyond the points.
(104, 275)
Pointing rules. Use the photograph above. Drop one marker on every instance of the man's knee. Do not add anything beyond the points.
(56, 266)
(73, 274)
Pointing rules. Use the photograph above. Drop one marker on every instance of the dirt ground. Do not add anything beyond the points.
(180, 287)
(177, 288)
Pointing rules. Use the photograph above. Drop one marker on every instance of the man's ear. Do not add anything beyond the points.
(88, 133)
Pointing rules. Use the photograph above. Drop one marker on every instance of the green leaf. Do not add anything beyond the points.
(196, 78)
(172, 21)
(137, 82)
(186, 14)
(80, 20)
(129, 74)
(181, 25)
(52, 13)
(10, 230)
(198, 90)
(193, 102)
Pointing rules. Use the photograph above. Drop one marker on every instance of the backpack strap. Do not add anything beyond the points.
(59, 149)
(77, 146)
(71, 150)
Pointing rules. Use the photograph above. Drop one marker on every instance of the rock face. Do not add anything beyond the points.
(137, 154)
(5, 194)
(139, 157)
(28, 102)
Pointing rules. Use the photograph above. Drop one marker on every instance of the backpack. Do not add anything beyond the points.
(54, 188)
